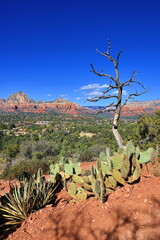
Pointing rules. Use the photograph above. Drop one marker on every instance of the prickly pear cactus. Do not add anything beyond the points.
(97, 188)
(93, 172)
(121, 150)
(77, 179)
(98, 164)
(86, 179)
(147, 156)
(118, 177)
(108, 153)
(105, 169)
(135, 176)
(103, 156)
(81, 196)
(117, 162)
(124, 172)
(68, 169)
(78, 170)
(137, 152)
(108, 183)
(112, 181)
(87, 187)
(126, 163)
(129, 149)
(72, 190)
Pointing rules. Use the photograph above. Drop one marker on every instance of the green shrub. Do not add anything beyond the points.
(30, 167)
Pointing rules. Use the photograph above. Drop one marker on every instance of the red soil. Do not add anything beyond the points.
(131, 212)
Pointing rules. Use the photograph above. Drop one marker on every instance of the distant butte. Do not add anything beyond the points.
(20, 102)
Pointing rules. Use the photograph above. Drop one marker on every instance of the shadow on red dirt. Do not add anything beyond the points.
(131, 212)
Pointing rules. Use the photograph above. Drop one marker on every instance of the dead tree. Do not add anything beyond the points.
(118, 86)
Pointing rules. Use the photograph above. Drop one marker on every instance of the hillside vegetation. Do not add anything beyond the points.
(39, 140)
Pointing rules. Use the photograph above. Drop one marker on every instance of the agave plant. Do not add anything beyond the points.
(32, 194)
(17, 204)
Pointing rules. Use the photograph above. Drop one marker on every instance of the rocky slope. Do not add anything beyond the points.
(20, 102)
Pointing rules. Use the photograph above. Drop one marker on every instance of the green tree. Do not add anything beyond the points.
(148, 130)
(11, 150)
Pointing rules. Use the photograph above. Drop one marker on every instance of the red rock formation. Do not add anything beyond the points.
(140, 108)
(19, 102)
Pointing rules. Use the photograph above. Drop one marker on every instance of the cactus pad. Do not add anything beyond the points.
(106, 169)
(97, 187)
(87, 187)
(98, 164)
(72, 188)
(117, 161)
(118, 177)
(129, 149)
(121, 150)
(112, 181)
(124, 172)
(103, 156)
(81, 196)
(68, 169)
(86, 179)
(77, 179)
(78, 170)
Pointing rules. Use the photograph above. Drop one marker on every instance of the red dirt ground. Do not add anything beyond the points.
(130, 213)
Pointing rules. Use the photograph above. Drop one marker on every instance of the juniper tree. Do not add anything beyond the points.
(118, 86)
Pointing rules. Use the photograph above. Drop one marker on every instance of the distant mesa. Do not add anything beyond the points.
(20, 102)
(137, 108)
(134, 108)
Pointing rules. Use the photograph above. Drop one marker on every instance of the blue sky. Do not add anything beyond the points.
(46, 46)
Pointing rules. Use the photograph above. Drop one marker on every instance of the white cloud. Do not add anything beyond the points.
(124, 92)
(94, 94)
(49, 95)
(63, 95)
(94, 86)
(79, 98)
(93, 90)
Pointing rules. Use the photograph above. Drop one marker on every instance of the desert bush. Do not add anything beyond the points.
(30, 167)
(28, 149)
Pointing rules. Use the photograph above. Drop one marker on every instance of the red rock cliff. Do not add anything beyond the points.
(19, 102)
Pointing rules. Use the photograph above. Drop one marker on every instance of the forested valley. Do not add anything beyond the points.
(32, 141)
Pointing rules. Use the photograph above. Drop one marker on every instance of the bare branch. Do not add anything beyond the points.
(100, 74)
(131, 80)
(109, 46)
(132, 95)
(109, 88)
(96, 99)
(107, 55)
(107, 110)
(118, 55)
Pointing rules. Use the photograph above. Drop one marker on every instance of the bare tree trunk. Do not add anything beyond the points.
(115, 84)
(115, 129)
(117, 136)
